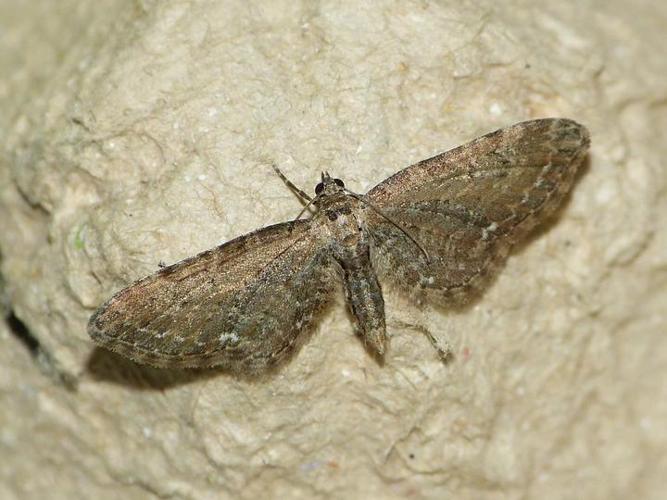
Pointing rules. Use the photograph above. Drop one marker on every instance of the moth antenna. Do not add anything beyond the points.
(395, 224)
(299, 192)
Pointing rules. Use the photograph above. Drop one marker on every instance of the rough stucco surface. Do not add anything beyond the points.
(135, 133)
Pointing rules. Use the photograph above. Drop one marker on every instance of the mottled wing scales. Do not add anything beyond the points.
(466, 207)
(437, 228)
(242, 305)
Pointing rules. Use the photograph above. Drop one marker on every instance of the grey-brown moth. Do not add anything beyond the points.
(436, 230)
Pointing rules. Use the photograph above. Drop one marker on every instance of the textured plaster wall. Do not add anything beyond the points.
(139, 132)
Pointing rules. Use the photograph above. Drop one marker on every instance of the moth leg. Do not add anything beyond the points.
(299, 192)
(445, 353)
(364, 299)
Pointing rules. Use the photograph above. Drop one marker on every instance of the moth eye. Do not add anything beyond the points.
(339, 183)
(319, 188)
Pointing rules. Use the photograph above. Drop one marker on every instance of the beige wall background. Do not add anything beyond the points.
(135, 133)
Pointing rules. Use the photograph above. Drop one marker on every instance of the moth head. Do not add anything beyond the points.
(329, 185)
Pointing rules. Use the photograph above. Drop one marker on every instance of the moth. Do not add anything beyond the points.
(436, 230)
